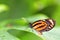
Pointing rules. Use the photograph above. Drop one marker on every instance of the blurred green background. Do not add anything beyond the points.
(16, 14)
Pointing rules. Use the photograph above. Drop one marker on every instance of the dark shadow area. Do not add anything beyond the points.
(49, 10)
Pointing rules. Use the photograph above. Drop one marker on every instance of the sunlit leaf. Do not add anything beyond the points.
(54, 34)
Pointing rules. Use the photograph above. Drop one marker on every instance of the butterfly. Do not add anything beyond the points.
(43, 25)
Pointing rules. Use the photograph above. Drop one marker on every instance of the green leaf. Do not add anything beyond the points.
(24, 21)
(54, 34)
(49, 10)
(24, 35)
(4, 35)
(38, 16)
(56, 15)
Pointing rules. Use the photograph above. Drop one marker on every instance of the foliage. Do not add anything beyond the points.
(15, 16)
